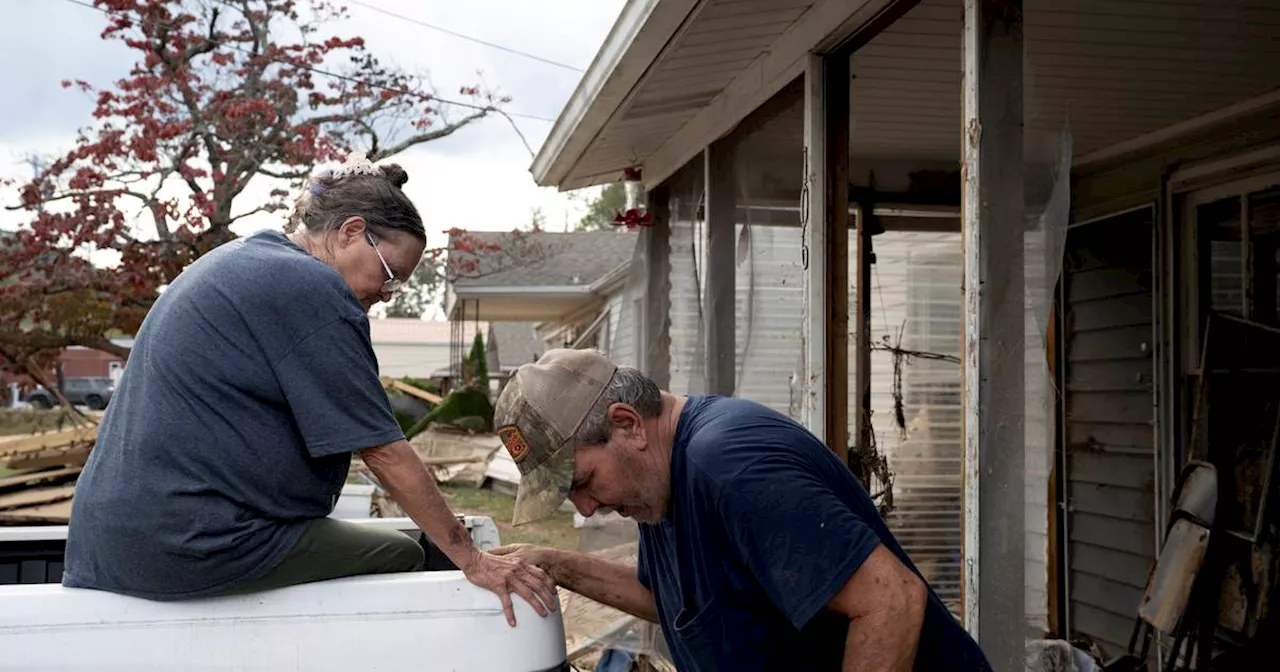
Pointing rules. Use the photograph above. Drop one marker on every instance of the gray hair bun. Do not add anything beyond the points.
(395, 174)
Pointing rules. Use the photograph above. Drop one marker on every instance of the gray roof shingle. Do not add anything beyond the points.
(515, 343)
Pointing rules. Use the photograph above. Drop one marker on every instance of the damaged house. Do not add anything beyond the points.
(1015, 261)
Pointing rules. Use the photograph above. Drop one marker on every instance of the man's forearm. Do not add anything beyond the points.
(883, 642)
(413, 488)
(610, 583)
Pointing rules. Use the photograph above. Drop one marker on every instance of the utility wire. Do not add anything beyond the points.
(357, 80)
(468, 38)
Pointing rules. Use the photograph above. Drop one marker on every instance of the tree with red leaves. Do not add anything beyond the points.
(225, 94)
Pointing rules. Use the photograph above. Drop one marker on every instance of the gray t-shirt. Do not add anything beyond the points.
(251, 382)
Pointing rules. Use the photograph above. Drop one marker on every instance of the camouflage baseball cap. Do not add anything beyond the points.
(537, 415)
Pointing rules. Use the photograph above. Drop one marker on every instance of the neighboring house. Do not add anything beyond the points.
(511, 344)
(843, 138)
(410, 347)
(81, 362)
(566, 289)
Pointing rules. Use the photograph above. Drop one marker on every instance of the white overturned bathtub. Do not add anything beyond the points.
(419, 621)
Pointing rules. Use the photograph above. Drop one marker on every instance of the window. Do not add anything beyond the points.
(1240, 254)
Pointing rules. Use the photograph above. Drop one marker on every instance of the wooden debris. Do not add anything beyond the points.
(74, 456)
(36, 497)
(38, 443)
(48, 465)
(392, 384)
(29, 478)
(58, 513)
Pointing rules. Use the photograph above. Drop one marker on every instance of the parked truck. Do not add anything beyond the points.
(420, 621)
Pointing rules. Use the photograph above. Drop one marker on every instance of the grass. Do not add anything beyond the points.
(556, 531)
(14, 422)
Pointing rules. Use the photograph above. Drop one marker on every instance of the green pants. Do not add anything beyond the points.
(329, 549)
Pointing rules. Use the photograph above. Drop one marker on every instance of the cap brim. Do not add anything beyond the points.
(544, 488)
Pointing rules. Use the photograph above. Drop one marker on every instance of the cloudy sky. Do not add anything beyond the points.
(478, 178)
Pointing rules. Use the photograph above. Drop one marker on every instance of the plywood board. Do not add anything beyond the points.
(57, 513)
(36, 496)
(40, 442)
(37, 476)
(75, 457)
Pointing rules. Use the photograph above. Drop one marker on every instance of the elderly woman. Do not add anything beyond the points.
(251, 383)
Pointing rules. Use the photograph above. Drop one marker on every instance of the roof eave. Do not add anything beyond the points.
(521, 290)
(641, 32)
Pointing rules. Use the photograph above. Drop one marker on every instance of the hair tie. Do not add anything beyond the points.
(356, 164)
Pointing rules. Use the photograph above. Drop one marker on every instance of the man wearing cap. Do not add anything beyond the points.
(758, 548)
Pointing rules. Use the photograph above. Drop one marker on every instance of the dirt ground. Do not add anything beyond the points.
(556, 531)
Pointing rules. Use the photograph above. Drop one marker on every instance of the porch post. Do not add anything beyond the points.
(719, 296)
(813, 258)
(994, 407)
(655, 350)
(835, 75)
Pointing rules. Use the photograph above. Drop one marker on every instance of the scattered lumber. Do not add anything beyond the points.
(393, 384)
(31, 478)
(45, 467)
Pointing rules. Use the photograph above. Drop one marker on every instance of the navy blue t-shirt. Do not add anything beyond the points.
(251, 382)
(764, 527)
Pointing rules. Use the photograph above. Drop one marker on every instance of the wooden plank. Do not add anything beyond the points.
(720, 297)
(656, 347)
(36, 496)
(390, 383)
(451, 461)
(28, 478)
(40, 442)
(1053, 584)
(57, 513)
(73, 457)
(835, 78)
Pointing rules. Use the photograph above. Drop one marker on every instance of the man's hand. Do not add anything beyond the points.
(504, 575)
(538, 556)
(610, 583)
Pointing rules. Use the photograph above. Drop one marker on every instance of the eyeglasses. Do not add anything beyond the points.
(393, 284)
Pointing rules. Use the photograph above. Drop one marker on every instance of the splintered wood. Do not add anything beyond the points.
(45, 467)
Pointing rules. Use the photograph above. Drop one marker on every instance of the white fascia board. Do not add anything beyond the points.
(521, 290)
(641, 32)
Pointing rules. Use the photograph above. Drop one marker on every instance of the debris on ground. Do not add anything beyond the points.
(41, 471)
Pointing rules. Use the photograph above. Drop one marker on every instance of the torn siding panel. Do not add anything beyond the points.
(1109, 414)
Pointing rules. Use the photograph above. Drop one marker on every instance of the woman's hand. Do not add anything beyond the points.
(504, 574)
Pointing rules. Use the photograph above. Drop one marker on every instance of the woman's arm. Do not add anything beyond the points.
(404, 476)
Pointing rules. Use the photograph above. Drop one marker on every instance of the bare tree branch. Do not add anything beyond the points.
(428, 137)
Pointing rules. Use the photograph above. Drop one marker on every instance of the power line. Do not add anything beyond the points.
(468, 38)
(357, 80)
